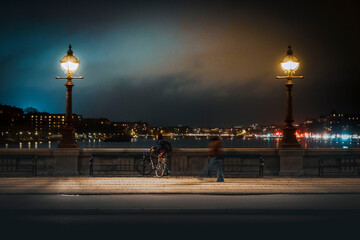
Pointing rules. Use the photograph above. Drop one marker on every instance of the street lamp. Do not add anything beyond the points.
(69, 64)
(289, 64)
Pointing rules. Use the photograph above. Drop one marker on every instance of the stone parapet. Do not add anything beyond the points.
(291, 162)
(185, 161)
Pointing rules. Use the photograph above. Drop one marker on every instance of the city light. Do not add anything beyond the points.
(345, 137)
(326, 137)
(342, 129)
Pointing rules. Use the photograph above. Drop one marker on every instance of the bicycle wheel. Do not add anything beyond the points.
(144, 166)
(160, 169)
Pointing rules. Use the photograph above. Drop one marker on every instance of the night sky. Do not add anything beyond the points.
(197, 63)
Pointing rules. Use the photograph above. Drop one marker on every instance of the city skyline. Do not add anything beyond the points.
(184, 63)
(13, 110)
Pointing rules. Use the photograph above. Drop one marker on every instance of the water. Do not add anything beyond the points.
(193, 143)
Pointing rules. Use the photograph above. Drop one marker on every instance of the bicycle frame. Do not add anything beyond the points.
(157, 163)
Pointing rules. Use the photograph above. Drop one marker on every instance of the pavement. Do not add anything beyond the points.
(178, 185)
(180, 207)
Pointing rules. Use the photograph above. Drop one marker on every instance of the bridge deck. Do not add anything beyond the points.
(188, 185)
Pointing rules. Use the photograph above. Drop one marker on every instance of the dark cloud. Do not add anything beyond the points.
(201, 63)
(173, 100)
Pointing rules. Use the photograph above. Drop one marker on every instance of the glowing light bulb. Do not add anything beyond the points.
(69, 63)
(289, 63)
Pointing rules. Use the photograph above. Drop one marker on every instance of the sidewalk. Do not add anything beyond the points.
(87, 206)
(178, 185)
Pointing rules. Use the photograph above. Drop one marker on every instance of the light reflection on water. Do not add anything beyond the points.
(193, 143)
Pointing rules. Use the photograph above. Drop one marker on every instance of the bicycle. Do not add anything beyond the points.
(153, 162)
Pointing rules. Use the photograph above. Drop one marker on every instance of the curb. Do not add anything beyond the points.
(179, 211)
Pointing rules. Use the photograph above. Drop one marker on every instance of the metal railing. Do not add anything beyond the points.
(128, 164)
(18, 165)
(114, 164)
(339, 166)
(242, 165)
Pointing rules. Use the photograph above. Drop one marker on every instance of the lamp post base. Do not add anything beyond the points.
(68, 139)
(289, 138)
(289, 145)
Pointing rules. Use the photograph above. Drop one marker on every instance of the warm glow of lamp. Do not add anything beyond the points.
(69, 63)
(290, 63)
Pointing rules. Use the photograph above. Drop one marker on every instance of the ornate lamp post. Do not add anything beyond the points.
(289, 64)
(69, 64)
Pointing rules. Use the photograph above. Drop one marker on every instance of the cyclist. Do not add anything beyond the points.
(161, 149)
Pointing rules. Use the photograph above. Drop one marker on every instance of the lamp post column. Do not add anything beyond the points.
(291, 155)
(68, 134)
(69, 64)
(68, 118)
(289, 112)
(289, 137)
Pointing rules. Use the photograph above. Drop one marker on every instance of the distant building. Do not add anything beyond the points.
(98, 127)
(334, 123)
(135, 128)
(343, 123)
(177, 130)
(44, 123)
(15, 124)
(11, 118)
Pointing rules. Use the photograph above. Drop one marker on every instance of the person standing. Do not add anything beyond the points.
(215, 146)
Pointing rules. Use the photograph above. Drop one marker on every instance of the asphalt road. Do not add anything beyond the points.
(180, 215)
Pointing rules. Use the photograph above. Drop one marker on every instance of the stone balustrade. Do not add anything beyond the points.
(186, 162)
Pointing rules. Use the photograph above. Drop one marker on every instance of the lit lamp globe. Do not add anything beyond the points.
(290, 63)
(69, 63)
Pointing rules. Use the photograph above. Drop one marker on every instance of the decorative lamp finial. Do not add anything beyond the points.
(289, 52)
(70, 52)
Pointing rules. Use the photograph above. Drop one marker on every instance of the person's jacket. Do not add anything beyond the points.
(215, 148)
(160, 146)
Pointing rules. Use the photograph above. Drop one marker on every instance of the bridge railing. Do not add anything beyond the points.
(183, 162)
